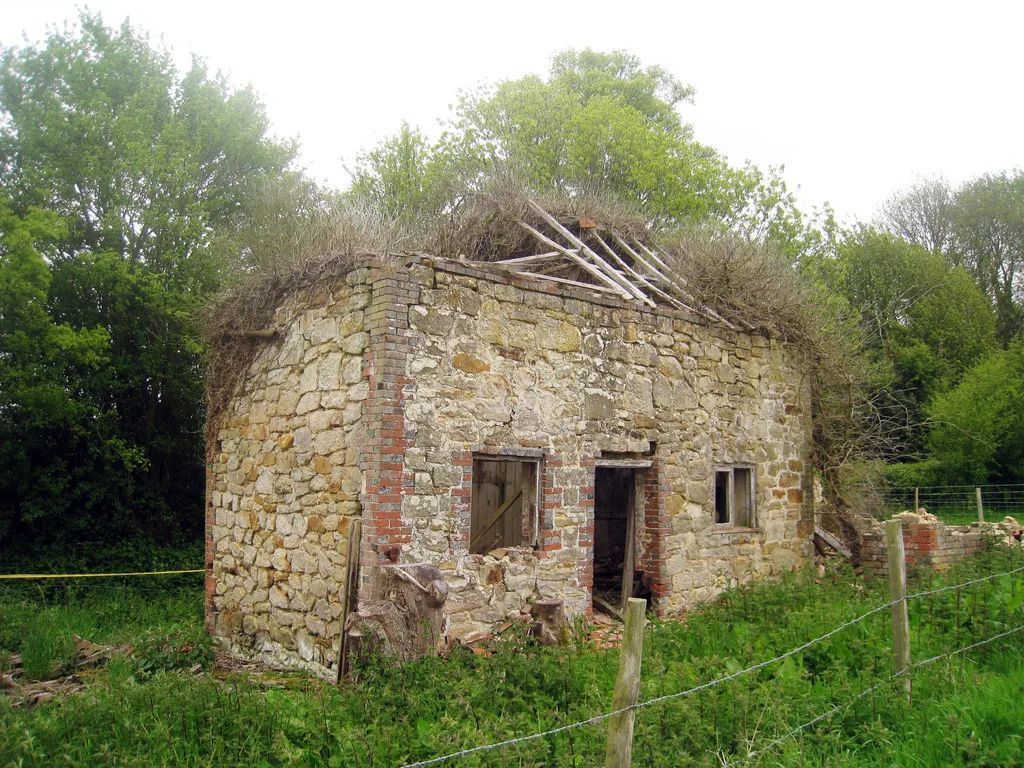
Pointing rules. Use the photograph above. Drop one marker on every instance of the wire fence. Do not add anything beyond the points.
(974, 615)
(948, 621)
(958, 504)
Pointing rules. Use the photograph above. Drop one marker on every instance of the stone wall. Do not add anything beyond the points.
(507, 367)
(285, 481)
(931, 544)
(384, 388)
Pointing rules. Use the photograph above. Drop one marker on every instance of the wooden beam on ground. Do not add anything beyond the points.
(833, 542)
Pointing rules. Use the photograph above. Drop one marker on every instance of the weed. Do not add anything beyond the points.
(172, 652)
(47, 651)
(148, 710)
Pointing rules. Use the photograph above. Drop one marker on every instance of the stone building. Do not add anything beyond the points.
(533, 437)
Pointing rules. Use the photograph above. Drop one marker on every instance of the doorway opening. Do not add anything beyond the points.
(618, 505)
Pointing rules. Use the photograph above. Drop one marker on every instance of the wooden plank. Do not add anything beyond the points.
(355, 531)
(529, 259)
(596, 272)
(657, 259)
(607, 607)
(637, 276)
(670, 279)
(666, 277)
(501, 512)
(626, 463)
(833, 542)
(566, 281)
(585, 249)
(680, 280)
(628, 565)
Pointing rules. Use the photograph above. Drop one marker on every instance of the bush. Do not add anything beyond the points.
(918, 474)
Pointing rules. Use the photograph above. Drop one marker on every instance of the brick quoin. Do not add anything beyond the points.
(659, 524)
(387, 438)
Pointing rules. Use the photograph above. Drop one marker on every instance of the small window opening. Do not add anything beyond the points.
(722, 478)
(504, 506)
(734, 497)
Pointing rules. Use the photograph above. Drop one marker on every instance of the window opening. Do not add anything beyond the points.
(504, 505)
(734, 497)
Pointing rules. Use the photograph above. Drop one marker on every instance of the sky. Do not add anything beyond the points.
(855, 100)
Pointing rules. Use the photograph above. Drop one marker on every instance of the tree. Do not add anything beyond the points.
(146, 171)
(53, 425)
(925, 321)
(922, 214)
(977, 433)
(598, 122)
(913, 302)
(979, 226)
(989, 221)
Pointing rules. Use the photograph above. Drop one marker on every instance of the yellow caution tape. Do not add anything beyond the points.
(89, 575)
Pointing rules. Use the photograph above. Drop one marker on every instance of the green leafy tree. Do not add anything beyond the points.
(989, 225)
(977, 433)
(56, 448)
(925, 322)
(916, 307)
(147, 171)
(980, 226)
(599, 121)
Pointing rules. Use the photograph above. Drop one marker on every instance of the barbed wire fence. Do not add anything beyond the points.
(881, 678)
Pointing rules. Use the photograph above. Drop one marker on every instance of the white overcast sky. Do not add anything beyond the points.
(855, 99)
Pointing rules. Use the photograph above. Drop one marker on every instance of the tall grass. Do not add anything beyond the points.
(965, 709)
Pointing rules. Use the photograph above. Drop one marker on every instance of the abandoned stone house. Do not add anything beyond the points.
(533, 437)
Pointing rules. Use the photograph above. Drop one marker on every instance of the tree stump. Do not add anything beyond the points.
(403, 617)
(549, 623)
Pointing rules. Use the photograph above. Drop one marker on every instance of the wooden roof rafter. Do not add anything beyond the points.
(618, 266)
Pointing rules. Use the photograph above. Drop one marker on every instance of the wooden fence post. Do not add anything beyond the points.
(898, 595)
(627, 687)
(917, 499)
(981, 509)
(355, 532)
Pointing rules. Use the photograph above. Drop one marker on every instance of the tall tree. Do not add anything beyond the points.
(989, 225)
(599, 120)
(926, 321)
(54, 426)
(145, 169)
(979, 225)
(922, 214)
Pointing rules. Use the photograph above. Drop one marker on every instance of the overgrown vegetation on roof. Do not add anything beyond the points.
(728, 279)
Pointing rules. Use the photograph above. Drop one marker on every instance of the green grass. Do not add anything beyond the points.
(966, 710)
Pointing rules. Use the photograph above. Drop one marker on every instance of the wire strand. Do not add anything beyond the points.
(761, 665)
(867, 691)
